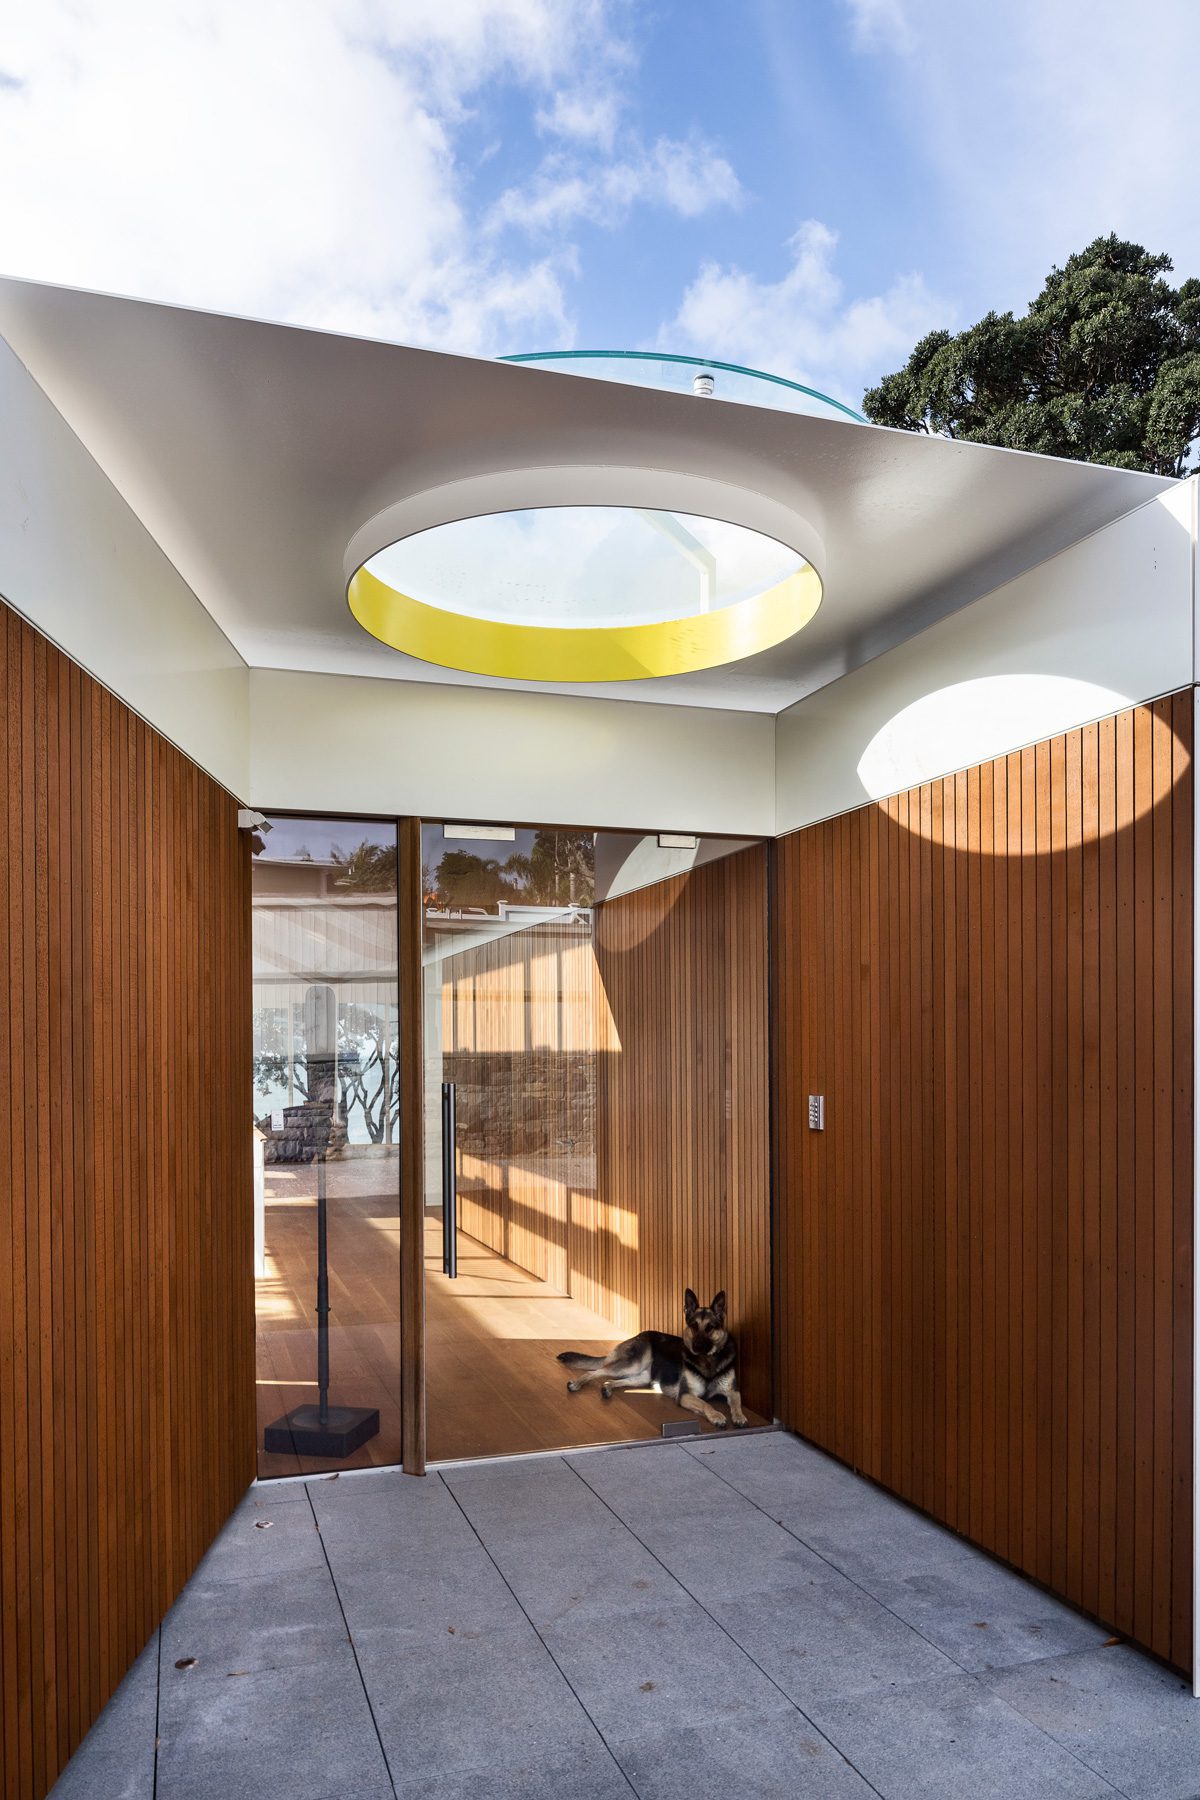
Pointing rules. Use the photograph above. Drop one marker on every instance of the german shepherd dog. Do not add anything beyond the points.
(691, 1370)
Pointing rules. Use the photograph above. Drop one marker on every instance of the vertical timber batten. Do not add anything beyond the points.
(126, 1272)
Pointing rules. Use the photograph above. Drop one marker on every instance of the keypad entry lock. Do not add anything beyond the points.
(816, 1112)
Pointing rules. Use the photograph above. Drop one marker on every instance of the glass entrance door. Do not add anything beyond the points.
(529, 1247)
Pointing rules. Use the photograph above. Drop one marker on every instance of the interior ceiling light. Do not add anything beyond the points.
(584, 593)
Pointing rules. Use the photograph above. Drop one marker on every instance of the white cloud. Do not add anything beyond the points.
(289, 158)
(585, 115)
(685, 177)
(802, 325)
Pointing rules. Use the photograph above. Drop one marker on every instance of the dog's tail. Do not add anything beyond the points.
(575, 1359)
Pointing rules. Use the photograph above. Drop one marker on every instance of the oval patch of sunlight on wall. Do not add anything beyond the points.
(974, 721)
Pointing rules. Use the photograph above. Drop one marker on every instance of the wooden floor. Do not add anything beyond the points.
(492, 1336)
(364, 1290)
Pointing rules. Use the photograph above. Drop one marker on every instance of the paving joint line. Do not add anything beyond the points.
(541, 1640)
(727, 1633)
(974, 1674)
(157, 1705)
(353, 1646)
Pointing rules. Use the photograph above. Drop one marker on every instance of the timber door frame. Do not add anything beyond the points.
(409, 924)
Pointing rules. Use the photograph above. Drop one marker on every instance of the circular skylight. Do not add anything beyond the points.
(692, 375)
(570, 566)
(584, 593)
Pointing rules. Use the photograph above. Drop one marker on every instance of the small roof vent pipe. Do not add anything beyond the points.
(704, 384)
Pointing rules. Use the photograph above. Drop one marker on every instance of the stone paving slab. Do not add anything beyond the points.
(739, 1617)
(1132, 1720)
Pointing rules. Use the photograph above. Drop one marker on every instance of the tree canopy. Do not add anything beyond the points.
(1104, 367)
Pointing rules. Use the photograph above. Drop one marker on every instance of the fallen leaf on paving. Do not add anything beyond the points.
(186, 1662)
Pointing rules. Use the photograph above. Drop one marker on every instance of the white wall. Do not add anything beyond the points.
(79, 565)
(1104, 624)
(347, 743)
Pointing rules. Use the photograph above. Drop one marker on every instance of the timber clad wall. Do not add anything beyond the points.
(126, 1294)
(984, 1263)
(681, 1106)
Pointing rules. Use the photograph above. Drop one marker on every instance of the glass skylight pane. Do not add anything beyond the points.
(584, 566)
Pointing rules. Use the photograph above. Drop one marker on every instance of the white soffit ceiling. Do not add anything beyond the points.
(254, 452)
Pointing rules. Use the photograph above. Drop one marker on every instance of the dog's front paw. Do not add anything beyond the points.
(606, 1392)
(720, 1424)
(740, 1424)
(572, 1387)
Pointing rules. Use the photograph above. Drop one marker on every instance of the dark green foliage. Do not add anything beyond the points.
(1104, 367)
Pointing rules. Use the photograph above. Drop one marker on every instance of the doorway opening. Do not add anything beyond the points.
(561, 1146)
(594, 1126)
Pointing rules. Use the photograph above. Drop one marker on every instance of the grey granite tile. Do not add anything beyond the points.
(662, 1480)
(584, 1577)
(398, 1522)
(561, 1548)
(824, 1638)
(283, 1734)
(242, 1627)
(263, 1498)
(494, 1704)
(585, 1774)
(873, 1538)
(252, 1546)
(983, 1615)
(1130, 1718)
(793, 1482)
(949, 1738)
(116, 1758)
(724, 1557)
(776, 1757)
(427, 1603)
(647, 1670)
(504, 1498)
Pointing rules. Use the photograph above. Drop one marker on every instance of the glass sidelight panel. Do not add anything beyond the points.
(326, 1158)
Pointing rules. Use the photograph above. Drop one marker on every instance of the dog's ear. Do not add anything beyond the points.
(718, 1306)
(691, 1306)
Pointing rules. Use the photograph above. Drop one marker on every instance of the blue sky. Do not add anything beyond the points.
(804, 185)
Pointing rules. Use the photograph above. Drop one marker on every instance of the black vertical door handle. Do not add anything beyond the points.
(449, 1183)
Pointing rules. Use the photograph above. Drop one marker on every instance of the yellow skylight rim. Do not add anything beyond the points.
(514, 652)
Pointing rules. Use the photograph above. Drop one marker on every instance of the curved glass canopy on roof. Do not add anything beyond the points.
(687, 375)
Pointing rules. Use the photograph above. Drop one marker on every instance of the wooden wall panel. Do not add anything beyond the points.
(126, 1292)
(984, 1263)
(682, 1105)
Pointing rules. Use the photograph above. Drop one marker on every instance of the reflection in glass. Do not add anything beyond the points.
(326, 1105)
(518, 1022)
